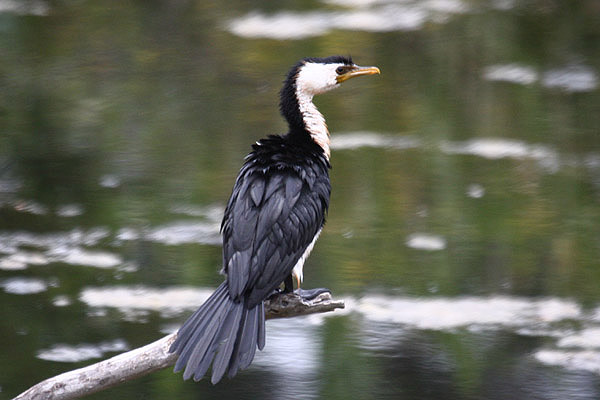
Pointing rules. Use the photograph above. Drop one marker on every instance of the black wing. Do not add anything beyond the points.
(272, 216)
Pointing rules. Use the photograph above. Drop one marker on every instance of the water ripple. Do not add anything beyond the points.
(588, 360)
(427, 242)
(24, 285)
(176, 233)
(369, 16)
(493, 148)
(355, 140)
(514, 73)
(66, 247)
(576, 333)
(132, 299)
(31, 7)
(490, 148)
(76, 353)
(572, 78)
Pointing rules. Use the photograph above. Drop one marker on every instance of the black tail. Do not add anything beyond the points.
(223, 327)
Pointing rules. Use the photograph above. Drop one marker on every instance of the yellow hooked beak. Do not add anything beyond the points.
(355, 71)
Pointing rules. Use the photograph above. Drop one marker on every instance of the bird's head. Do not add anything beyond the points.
(311, 76)
(318, 75)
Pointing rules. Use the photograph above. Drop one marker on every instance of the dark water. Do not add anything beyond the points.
(464, 229)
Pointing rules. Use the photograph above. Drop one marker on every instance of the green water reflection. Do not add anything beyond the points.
(126, 111)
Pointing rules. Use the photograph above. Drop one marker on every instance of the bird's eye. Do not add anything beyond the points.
(340, 70)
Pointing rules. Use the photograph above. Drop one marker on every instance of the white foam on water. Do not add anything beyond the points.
(81, 352)
(23, 286)
(74, 237)
(355, 140)
(30, 206)
(356, 3)
(588, 338)
(81, 256)
(578, 349)
(357, 15)
(503, 5)
(447, 6)
(475, 191)
(514, 73)
(30, 7)
(494, 148)
(213, 212)
(21, 259)
(125, 234)
(182, 232)
(572, 78)
(281, 26)
(69, 210)
(61, 301)
(588, 360)
(490, 148)
(595, 315)
(545, 331)
(12, 263)
(178, 232)
(387, 18)
(110, 181)
(132, 299)
(450, 313)
(384, 320)
(435, 313)
(423, 241)
(71, 247)
(65, 247)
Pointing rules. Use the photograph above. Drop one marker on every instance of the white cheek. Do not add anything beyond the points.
(316, 78)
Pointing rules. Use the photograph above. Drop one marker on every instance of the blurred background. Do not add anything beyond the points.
(464, 228)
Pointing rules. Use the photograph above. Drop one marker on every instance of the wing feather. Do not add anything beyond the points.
(272, 217)
(257, 190)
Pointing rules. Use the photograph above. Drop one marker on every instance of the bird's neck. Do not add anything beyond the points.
(314, 122)
(306, 123)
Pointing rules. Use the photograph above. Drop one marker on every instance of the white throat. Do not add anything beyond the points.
(314, 121)
(312, 79)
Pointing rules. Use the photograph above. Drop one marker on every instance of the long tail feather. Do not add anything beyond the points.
(247, 340)
(222, 332)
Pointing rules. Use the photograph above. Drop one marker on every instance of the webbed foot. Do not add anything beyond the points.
(309, 294)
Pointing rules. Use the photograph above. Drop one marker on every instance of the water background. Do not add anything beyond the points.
(464, 228)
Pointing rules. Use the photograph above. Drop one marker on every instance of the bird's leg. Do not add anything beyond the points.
(288, 284)
(305, 294)
(288, 287)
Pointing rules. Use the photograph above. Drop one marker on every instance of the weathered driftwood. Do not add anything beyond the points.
(154, 356)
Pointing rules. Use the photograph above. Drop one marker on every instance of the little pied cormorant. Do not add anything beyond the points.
(274, 216)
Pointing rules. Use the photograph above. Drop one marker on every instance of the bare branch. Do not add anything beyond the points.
(154, 356)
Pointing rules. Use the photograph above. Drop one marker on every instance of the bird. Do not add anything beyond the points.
(272, 220)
